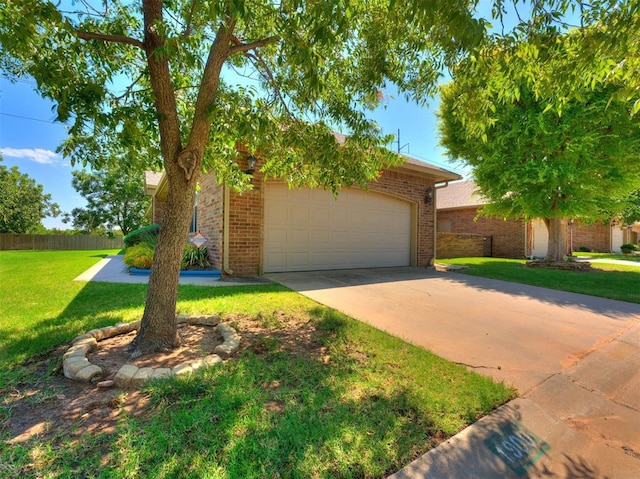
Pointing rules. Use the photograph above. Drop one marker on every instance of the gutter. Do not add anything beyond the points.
(436, 186)
(225, 235)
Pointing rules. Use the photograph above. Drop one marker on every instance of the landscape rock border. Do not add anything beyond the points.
(76, 365)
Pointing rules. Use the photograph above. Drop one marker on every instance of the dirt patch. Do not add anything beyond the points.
(561, 265)
(197, 342)
(50, 404)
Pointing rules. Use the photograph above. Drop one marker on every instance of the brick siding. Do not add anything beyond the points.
(507, 237)
(210, 216)
(246, 219)
(596, 237)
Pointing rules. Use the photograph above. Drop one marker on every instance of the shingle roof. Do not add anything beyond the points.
(459, 195)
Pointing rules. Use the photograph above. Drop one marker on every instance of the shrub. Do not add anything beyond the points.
(194, 257)
(629, 247)
(584, 249)
(147, 234)
(139, 256)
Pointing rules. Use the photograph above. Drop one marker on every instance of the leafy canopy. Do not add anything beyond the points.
(23, 204)
(293, 71)
(534, 158)
(115, 200)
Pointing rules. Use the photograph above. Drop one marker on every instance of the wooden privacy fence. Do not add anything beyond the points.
(10, 241)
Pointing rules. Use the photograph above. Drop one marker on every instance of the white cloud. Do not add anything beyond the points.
(39, 155)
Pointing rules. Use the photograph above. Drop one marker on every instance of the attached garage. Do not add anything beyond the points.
(310, 229)
(271, 228)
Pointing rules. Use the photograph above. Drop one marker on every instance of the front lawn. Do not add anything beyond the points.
(312, 394)
(607, 280)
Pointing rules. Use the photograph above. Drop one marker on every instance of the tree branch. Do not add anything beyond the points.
(110, 38)
(245, 47)
(257, 58)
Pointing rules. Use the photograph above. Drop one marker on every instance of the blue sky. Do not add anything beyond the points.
(29, 138)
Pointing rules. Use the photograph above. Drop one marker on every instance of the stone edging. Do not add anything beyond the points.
(76, 365)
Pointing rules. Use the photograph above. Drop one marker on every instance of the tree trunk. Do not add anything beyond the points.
(557, 245)
(158, 329)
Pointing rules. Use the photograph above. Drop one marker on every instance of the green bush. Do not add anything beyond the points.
(139, 256)
(146, 234)
(629, 247)
(584, 249)
(194, 257)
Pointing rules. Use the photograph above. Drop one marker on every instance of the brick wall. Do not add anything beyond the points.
(246, 215)
(157, 208)
(508, 237)
(596, 237)
(457, 245)
(210, 216)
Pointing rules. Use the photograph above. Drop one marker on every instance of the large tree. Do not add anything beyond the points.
(23, 204)
(115, 199)
(192, 80)
(529, 161)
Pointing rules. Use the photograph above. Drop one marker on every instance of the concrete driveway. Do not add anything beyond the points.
(575, 360)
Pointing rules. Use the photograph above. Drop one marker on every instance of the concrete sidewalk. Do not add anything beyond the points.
(113, 270)
(575, 360)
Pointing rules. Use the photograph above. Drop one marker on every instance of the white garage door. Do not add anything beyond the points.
(540, 239)
(307, 229)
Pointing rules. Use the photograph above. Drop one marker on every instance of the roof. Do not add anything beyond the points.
(461, 194)
(416, 166)
(154, 180)
(439, 174)
(151, 181)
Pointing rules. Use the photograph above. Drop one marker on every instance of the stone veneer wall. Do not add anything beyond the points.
(508, 237)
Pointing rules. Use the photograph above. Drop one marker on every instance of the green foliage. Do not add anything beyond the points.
(115, 199)
(194, 257)
(630, 247)
(314, 67)
(139, 256)
(146, 234)
(530, 162)
(23, 204)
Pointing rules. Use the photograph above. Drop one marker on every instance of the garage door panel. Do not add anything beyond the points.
(311, 230)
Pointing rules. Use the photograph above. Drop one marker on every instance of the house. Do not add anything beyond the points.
(457, 213)
(273, 228)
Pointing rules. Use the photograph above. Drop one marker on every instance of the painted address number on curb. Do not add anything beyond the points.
(518, 447)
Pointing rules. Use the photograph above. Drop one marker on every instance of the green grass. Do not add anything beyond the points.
(607, 281)
(364, 408)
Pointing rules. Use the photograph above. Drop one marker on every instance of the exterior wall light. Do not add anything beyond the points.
(428, 196)
(251, 164)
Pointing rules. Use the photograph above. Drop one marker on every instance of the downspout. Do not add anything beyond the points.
(225, 234)
(435, 220)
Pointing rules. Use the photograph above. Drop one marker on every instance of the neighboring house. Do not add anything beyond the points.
(458, 205)
(273, 228)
